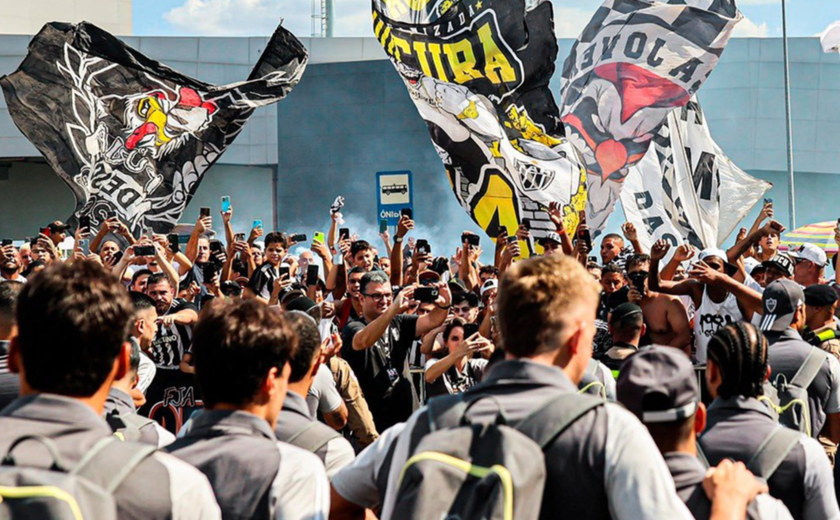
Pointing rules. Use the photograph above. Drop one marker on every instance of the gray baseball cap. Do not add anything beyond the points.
(779, 302)
(657, 384)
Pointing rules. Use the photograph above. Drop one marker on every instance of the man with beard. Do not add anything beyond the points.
(10, 266)
(176, 318)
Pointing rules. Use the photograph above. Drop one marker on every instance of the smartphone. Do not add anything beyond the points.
(256, 224)
(285, 270)
(174, 242)
(111, 214)
(470, 329)
(768, 201)
(312, 275)
(239, 237)
(204, 212)
(527, 223)
(6, 242)
(422, 246)
(407, 212)
(593, 259)
(216, 247)
(383, 225)
(583, 234)
(299, 238)
(144, 251)
(117, 256)
(84, 222)
(45, 231)
(426, 294)
(225, 204)
(208, 271)
(84, 246)
(472, 240)
(344, 233)
(319, 236)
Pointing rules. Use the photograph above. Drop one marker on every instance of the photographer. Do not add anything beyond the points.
(377, 346)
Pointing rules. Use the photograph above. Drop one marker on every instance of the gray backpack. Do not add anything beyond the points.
(789, 399)
(312, 437)
(84, 492)
(491, 471)
(592, 382)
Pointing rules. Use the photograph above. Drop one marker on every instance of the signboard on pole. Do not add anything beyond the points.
(394, 191)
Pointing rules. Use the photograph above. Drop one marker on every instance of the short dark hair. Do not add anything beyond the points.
(235, 345)
(469, 297)
(452, 325)
(276, 237)
(141, 302)
(138, 273)
(72, 323)
(637, 259)
(594, 265)
(355, 270)
(9, 292)
(612, 236)
(489, 269)
(134, 357)
(359, 245)
(613, 268)
(309, 343)
(158, 278)
(372, 277)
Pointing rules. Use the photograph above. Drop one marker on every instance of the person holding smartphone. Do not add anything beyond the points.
(268, 281)
(378, 345)
(460, 369)
(10, 265)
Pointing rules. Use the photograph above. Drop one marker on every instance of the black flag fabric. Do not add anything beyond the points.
(127, 133)
(478, 73)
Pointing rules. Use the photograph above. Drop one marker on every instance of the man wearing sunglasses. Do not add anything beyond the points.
(377, 346)
(809, 263)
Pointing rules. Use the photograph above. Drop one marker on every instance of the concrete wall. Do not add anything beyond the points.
(33, 196)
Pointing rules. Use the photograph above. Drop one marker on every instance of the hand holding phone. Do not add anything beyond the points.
(319, 236)
(312, 275)
(225, 204)
(204, 212)
(407, 213)
(344, 233)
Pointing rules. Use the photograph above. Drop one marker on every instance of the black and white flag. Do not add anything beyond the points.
(686, 189)
(129, 134)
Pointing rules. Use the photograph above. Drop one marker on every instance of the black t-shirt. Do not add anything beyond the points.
(171, 343)
(9, 382)
(383, 371)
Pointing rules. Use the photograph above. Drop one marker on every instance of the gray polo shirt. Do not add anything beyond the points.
(736, 427)
(252, 473)
(295, 416)
(604, 466)
(161, 487)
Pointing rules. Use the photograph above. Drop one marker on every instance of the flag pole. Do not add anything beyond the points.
(789, 133)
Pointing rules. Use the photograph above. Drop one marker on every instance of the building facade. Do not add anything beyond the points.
(351, 117)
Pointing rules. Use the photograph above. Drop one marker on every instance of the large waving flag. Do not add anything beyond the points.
(686, 188)
(478, 72)
(634, 63)
(129, 134)
(830, 38)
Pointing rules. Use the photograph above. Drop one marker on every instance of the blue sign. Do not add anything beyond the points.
(394, 192)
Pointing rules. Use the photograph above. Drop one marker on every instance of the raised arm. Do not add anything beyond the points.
(202, 225)
(438, 315)
(632, 236)
(368, 336)
(741, 247)
(403, 227)
(749, 298)
(682, 253)
(655, 283)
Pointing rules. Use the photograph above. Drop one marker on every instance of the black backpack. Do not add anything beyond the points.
(483, 471)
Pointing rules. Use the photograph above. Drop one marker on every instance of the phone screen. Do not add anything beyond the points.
(344, 233)
(312, 274)
(204, 212)
(407, 212)
(383, 226)
(284, 271)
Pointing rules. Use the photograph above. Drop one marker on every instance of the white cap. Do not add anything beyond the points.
(810, 252)
(492, 283)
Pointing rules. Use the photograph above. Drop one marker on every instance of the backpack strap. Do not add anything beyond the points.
(773, 452)
(701, 456)
(110, 461)
(312, 439)
(592, 368)
(446, 411)
(809, 369)
(552, 419)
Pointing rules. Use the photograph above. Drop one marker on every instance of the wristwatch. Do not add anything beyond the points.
(398, 240)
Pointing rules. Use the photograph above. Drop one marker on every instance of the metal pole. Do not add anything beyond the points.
(791, 195)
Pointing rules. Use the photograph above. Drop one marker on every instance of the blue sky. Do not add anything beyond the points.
(258, 17)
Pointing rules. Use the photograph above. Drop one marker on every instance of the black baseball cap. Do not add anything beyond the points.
(779, 302)
(58, 226)
(819, 295)
(657, 385)
(781, 262)
(623, 311)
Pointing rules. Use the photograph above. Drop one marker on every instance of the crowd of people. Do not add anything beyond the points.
(340, 377)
